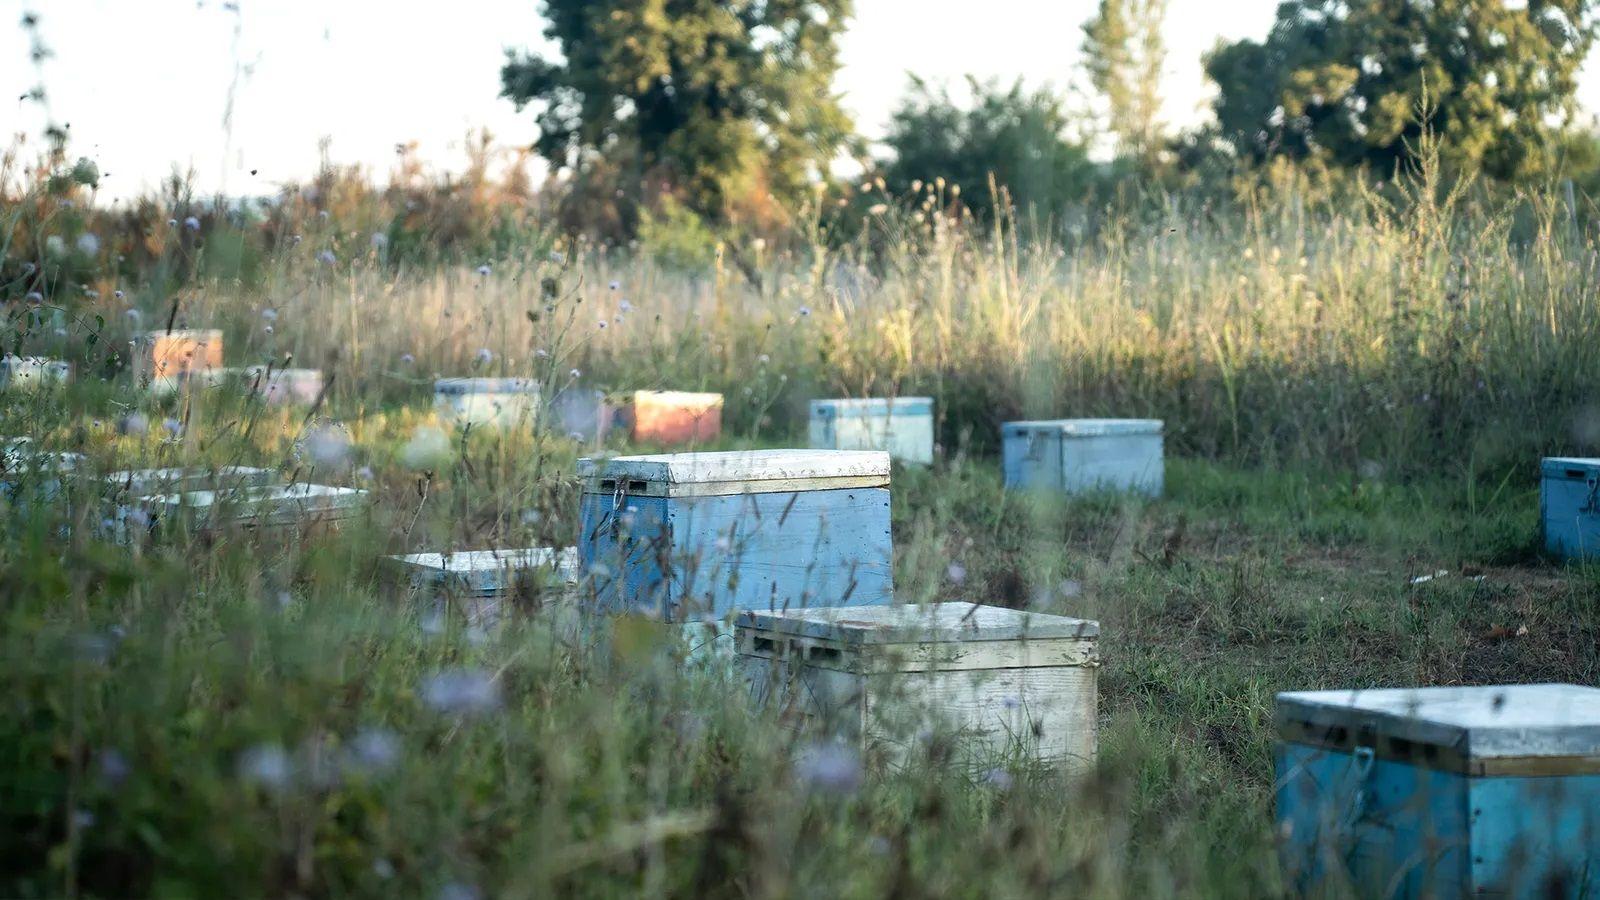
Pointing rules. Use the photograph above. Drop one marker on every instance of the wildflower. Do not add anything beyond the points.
(557, 258)
(117, 294)
(805, 311)
(267, 765)
(192, 223)
(88, 244)
(374, 750)
(54, 245)
(28, 267)
(133, 424)
(407, 359)
(59, 332)
(615, 285)
(624, 305)
(328, 446)
(268, 329)
(173, 426)
(724, 544)
(379, 241)
(364, 473)
(427, 449)
(531, 516)
(34, 297)
(877, 209)
(270, 314)
(83, 818)
(957, 573)
(484, 356)
(327, 258)
(1011, 702)
(113, 767)
(542, 353)
(831, 768)
(134, 317)
(463, 692)
(602, 323)
(296, 240)
(763, 359)
(383, 869)
(172, 223)
(322, 214)
(456, 890)
(575, 373)
(484, 269)
(999, 779)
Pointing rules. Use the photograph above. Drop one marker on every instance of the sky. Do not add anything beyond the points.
(226, 88)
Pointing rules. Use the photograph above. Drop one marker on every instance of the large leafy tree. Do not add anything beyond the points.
(718, 100)
(1019, 137)
(1357, 81)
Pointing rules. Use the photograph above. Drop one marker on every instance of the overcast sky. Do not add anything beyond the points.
(146, 85)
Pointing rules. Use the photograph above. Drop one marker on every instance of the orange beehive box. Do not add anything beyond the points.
(167, 357)
(675, 417)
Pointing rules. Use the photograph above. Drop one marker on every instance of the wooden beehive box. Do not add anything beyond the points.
(1569, 506)
(480, 583)
(496, 402)
(292, 506)
(25, 373)
(1000, 680)
(901, 426)
(285, 387)
(1441, 792)
(1074, 456)
(165, 359)
(672, 418)
(691, 537)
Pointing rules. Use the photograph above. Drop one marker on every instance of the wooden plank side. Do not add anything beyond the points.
(924, 657)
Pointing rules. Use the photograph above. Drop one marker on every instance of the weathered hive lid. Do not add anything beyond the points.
(272, 504)
(489, 571)
(485, 386)
(1475, 728)
(1087, 427)
(1570, 468)
(678, 398)
(19, 455)
(918, 623)
(866, 406)
(735, 472)
(177, 480)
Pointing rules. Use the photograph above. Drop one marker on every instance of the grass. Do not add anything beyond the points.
(264, 717)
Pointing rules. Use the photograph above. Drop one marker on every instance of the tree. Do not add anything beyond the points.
(717, 99)
(1357, 81)
(1124, 52)
(1017, 136)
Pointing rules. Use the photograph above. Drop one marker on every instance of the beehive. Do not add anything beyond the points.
(497, 402)
(1080, 455)
(29, 472)
(164, 359)
(901, 426)
(182, 479)
(1441, 792)
(293, 506)
(22, 373)
(480, 582)
(689, 537)
(1000, 680)
(672, 418)
(285, 387)
(1569, 506)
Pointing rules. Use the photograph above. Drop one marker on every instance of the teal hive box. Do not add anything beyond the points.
(902, 426)
(693, 537)
(1074, 456)
(1568, 508)
(1441, 792)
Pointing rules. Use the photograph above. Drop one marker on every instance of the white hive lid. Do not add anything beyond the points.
(918, 623)
(179, 479)
(272, 502)
(488, 570)
(485, 386)
(1089, 427)
(869, 405)
(1524, 720)
(738, 471)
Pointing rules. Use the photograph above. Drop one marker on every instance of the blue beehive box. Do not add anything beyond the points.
(902, 426)
(1077, 455)
(1568, 506)
(1441, 792)
(692, 537)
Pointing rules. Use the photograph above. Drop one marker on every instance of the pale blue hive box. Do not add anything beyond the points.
(499, 402)
(1077, 455)
(902, 426)
(1441, 792)
(692, 537)
(1568, 510)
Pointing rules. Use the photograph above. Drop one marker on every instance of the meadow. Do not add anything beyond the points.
(1357, 386)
